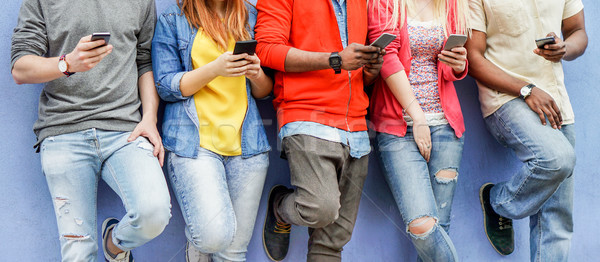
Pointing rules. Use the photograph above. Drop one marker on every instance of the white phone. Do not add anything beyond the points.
(383, 40)
(455, 40)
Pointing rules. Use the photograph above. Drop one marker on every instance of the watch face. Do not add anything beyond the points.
(335, 60)
(62, 66)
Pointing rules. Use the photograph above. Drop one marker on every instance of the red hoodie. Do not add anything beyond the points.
(336, 100)
(386, 112)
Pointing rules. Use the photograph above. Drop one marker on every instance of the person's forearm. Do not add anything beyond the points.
(493, 77)
(148, 96)
(194, 80)
(31, 69)
(576, 44)
(303, 61)
(400, 86)
(262, 85)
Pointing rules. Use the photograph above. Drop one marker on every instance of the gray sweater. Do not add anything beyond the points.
(105, 97)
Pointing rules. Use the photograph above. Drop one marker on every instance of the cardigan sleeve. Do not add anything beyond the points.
(379, 18)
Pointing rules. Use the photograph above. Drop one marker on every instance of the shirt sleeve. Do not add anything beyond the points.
(29, 36)
(572, 7)
(272, 30)
(379, 18)
(144, 41)
(478, 16)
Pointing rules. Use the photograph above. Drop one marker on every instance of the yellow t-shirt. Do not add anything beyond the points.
(221, 105)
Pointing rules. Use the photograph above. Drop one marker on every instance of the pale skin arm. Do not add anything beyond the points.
(147, 127)
(228, 65)
(32, 69)
(400, 86)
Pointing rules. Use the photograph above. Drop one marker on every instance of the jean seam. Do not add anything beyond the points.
(539, 246)
(522, 184)
(185, 206)
(113, 174)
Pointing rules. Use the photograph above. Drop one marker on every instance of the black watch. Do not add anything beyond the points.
(335, 62)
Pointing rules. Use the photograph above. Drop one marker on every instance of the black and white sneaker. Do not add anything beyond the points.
(107, 226)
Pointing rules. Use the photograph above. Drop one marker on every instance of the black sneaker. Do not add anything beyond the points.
(276, 234)
(108, 225)
(498, 229)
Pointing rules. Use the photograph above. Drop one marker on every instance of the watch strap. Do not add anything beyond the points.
(337, 67)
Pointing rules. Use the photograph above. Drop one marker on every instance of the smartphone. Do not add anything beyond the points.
(545, 41)
(455, 40)
(245, 47)
(383, 40)
(103, 35)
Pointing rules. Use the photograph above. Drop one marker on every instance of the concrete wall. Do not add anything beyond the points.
(28, 227)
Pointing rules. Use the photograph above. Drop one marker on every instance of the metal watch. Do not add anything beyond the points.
(526, 91)
(63, 67)
(335, 62)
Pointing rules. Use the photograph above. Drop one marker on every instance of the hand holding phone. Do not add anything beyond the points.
(551, 48)
(245, 47)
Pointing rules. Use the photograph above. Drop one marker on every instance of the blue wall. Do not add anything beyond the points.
(28, 228)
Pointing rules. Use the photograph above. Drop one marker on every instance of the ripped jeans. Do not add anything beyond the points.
(419, 193)
(73, 163)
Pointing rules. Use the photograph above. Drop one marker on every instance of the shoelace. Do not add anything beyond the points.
(282, 228)
(505, 223)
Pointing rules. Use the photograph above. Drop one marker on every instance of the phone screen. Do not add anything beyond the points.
(245, 47)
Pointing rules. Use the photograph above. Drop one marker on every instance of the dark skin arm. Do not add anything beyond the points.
(354, 56)
(495, 78)
(540, 102)
(574, 45)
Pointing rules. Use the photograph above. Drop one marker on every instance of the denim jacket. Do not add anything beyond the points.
(171, 57)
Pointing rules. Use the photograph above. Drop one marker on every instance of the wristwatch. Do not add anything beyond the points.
(526, 91)
(63, 67)
(335, 62)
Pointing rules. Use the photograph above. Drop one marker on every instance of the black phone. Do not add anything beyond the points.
(540, 43)
(455, 40)
(245, 47)
(383, 40)
(103, 35)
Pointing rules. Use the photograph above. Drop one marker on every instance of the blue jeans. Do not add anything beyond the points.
(543, 188)
(418, 191)
(73, 164)
(219, 198)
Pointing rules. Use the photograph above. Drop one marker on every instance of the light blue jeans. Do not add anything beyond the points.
(543, 189)
(73, 164)
(219, 198)
(417, 190)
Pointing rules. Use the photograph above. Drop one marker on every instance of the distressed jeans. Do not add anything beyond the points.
(219, 198)
(417, 190)
(543, 189)
(73, 163)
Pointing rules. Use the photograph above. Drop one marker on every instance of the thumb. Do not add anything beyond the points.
(134, 135)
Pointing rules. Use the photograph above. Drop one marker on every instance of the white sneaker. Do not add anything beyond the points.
(107, 225)
(194, 255)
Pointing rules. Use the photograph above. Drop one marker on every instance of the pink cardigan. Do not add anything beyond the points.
(386, 112)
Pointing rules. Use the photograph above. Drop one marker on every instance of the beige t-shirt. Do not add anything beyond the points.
(511, 27)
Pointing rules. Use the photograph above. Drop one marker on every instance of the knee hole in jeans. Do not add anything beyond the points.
(422, 227)
(446, 176)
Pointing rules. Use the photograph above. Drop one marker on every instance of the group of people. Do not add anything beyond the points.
(319, 61)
